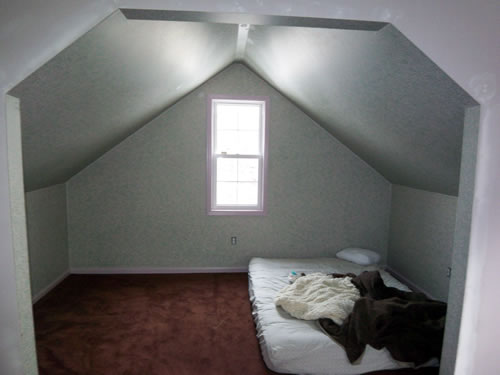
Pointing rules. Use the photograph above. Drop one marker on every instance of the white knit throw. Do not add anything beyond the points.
(317, 296)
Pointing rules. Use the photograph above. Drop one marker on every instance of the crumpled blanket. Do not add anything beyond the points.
(319, 295)
(408, 324)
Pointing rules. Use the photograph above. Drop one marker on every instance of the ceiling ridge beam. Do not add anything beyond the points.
(251, 19)
(241, 41)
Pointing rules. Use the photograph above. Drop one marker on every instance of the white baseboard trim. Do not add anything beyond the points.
(154, 270)
(409, 283)
(49, 287)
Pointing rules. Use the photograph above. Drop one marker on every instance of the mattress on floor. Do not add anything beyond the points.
(296, 346)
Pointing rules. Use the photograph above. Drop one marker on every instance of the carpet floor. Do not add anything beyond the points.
(151, 325)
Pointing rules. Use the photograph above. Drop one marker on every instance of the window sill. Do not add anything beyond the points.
(237, 213)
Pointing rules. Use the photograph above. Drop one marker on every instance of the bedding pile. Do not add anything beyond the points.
(408, 324)
(318, 295)
(361, 310)
(295, 346)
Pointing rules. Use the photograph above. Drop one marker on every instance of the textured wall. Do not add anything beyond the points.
(358, 89)
(47, 236)
(461, 243)
(19, 243)
(421, 237)
(143, 203)
(89, 86)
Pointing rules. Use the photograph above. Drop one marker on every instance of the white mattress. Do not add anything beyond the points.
(296, 346)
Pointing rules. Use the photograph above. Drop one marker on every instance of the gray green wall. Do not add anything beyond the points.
(421, 238)
(143, 203)
(461, 242)
(47, 236)
(18, 234)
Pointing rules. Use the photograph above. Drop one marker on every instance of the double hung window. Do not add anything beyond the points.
(237, 156)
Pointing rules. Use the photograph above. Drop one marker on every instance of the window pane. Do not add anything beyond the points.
(249, 117)
(248, 143)
(237, 142)
(227, 116)
(248, 170)
(226, 193)
(247, 193)
(227, 141)
(227, 169)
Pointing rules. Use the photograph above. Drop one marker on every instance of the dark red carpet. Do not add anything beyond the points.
(150, 325)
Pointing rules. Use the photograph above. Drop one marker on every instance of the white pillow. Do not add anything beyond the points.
(356, 255)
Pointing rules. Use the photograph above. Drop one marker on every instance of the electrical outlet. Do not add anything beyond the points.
(448, 272)
(233, 240)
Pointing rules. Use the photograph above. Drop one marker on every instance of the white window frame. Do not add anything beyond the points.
(260, 207)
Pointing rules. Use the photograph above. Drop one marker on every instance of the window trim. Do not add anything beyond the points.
(210, 188)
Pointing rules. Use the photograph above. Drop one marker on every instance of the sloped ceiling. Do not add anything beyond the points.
(108, 84)
(376, 93)
(373, 90)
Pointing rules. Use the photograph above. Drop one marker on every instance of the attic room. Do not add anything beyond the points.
(365, 150)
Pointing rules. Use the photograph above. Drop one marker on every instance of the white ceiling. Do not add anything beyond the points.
(373, 90)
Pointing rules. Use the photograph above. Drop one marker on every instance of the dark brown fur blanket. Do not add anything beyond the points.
(408, 324)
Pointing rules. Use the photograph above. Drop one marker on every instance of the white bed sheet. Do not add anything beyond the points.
(296, 346)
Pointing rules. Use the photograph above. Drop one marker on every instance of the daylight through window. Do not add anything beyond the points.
(237, 156)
